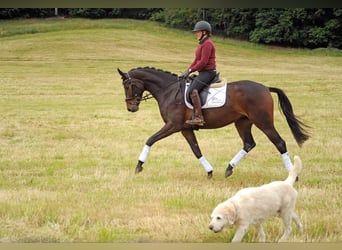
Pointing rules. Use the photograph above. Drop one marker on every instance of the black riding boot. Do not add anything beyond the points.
(198, 117)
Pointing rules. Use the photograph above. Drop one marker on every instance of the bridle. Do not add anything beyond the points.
(134, 91)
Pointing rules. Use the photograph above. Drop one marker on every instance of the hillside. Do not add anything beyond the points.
(68, 146)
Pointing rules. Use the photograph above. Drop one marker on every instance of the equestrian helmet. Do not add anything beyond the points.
(202, 25)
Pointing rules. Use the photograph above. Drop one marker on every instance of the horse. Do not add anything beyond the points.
(248, 103)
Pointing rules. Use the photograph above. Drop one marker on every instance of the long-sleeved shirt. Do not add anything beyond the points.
(205, 58)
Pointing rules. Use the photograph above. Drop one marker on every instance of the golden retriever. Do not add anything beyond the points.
(254, 205)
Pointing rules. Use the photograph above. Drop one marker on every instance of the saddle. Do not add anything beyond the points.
(212, 96)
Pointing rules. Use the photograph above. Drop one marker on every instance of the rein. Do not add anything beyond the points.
(148, 95)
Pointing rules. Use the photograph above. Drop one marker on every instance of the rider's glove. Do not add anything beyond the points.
(185, 74)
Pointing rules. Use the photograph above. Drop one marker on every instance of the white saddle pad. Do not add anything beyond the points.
(216, 97)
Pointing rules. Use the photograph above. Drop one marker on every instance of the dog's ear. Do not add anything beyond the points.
(229, 213)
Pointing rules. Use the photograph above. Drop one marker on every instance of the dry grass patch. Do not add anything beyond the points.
(68, 146)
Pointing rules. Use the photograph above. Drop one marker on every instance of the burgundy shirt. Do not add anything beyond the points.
(205, 58)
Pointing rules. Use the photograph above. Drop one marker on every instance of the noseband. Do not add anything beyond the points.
(132, 92)
(135, 91)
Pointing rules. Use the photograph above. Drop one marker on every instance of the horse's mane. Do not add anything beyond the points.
(154, 69)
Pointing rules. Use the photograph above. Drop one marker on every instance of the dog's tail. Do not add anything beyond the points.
(291, 179)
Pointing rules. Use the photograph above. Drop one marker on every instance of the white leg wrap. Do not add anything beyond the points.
(238, 157)
(144, 153)
(205, 164)
(287, 161)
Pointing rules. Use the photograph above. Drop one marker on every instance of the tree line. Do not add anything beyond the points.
(291, 27)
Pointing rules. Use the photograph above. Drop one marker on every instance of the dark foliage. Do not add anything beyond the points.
(294, 27)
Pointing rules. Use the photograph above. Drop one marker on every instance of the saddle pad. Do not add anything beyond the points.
(216, 97)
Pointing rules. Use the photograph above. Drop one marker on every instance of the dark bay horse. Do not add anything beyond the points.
(249, 103)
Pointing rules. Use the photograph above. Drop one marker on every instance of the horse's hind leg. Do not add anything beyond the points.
(280, 144)
(243, 127)
(265, 124)
(191, 139)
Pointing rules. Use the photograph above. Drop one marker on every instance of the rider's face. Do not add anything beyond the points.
(198, 34)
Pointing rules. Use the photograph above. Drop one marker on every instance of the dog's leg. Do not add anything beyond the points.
(261, 233)
(297, 221)
(287, 218)
(240, 232)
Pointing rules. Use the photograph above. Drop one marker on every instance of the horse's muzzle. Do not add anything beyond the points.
(132, 105)
(133, 108)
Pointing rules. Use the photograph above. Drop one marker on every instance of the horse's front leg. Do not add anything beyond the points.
(243, 127)
(191, 139)
(165, 131)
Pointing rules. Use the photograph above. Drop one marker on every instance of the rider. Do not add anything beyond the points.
(205, 64)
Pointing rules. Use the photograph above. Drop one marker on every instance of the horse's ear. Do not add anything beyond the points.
(123, 75)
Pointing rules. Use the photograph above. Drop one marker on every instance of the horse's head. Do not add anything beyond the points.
(134, 89)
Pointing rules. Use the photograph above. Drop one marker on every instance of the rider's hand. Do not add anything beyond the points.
(185, 74)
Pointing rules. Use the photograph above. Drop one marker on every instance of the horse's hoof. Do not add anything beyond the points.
(210, 174)
(138, 170)
(229, 171)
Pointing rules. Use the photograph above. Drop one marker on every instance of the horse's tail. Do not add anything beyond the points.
(298, 128)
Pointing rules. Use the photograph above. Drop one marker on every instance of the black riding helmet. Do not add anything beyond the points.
(202, 26)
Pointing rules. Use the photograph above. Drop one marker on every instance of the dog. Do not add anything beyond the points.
(254, 205)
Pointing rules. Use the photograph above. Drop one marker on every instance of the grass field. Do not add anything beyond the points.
(68, 146)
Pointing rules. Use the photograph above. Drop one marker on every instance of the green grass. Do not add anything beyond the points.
(68, 146)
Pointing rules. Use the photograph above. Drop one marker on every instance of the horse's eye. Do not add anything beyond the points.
(218, 218)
